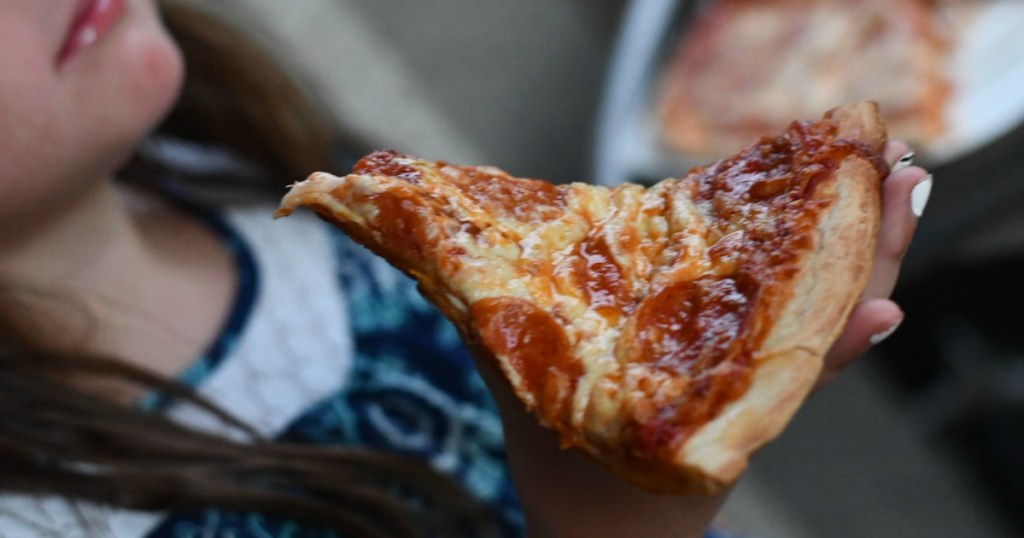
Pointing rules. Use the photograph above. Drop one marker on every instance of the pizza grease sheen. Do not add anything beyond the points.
(667, 331)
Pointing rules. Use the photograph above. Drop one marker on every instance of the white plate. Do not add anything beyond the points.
(986, 70)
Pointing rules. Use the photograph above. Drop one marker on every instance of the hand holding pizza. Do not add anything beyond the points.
(565, 495)
(904, 196)
(665, 332)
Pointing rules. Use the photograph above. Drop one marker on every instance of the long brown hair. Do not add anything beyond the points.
(56, 439)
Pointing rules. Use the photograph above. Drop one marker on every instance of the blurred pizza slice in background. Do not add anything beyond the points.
(744, 68)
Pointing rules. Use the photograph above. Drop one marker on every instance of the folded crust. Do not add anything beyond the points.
(821, 296)
(668, 331)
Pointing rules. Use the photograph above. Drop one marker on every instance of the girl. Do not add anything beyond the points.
(173, 365)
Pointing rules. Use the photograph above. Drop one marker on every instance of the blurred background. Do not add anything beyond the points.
(925, 437)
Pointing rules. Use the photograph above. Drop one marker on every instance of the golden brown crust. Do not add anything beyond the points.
(668, 332)
(823, 295)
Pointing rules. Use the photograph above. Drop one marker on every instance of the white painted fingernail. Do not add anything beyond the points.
(904, 162)
(877, 338)
(919, 196)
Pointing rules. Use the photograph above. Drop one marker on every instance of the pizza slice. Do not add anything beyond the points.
(667, 331)
(744, 69)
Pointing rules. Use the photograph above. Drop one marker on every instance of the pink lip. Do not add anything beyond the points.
(93, 18)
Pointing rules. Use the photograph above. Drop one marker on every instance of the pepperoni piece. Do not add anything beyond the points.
(535, 345)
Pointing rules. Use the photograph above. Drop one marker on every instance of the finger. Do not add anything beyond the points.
(876, 317)
(895, 150)
(870, 323)
(904, 195)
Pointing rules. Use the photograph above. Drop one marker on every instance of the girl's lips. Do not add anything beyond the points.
(92, 20)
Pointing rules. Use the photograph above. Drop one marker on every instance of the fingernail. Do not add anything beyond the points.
(877, 338)
(919, 196)
(904, 162)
